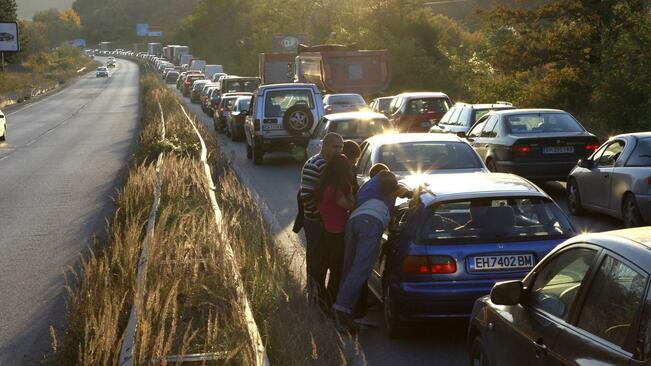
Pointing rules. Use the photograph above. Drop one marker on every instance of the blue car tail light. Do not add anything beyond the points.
(427, 264)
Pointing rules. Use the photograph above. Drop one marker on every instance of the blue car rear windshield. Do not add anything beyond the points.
(426, 156)
(496, 219)
(531, 123)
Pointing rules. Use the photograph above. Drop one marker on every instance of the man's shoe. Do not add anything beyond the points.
(344, 322)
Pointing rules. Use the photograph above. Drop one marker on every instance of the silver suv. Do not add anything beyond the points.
(281, 118)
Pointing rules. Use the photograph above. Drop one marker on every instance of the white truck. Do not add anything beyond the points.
(185, 59)
(210, 70)
(197, 64)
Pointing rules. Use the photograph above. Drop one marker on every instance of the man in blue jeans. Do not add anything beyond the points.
(363, 236)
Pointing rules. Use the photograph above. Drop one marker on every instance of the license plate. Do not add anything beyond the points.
(501, 262)
(272, 127)
(558, 150)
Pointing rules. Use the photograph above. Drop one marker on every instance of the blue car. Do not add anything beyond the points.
(450, 244)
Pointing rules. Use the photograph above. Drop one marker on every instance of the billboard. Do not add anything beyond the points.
(142, 29)
(9, 41)
(154, 31)
(287, 42)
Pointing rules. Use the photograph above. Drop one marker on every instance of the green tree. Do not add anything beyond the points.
(8, 10)
(61, 25)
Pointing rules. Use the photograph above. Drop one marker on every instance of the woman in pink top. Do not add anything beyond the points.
(335, 198)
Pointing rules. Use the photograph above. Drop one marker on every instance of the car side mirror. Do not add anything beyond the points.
(585, 163)
(506, 293)
(462, 134)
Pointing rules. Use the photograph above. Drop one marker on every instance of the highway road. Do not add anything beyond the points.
(276, 183)
(65, 156)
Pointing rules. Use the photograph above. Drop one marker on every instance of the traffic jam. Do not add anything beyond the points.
(476, 238)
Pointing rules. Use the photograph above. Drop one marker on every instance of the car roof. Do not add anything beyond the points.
(397, 138)
(485, 105)
(639, 135)
(423, 95)
(236, 94)
(640, 235)
(453, 186)
(342, 95)
(631, 244)
(527, 110)
(382, 98)
(355, 115)
(289, 86)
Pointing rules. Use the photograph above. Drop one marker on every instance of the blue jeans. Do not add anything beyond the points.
(363, 237)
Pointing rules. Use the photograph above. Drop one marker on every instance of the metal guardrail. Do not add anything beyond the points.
(261, 358)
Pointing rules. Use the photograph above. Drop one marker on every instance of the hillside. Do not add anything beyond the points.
(27, 8)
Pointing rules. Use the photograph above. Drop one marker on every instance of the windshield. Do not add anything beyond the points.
(384, 104)
(358, 128)
(352, 99)
(228, 103)
(244, 103)
(641, 156)
(241, 85)
(279, 101)
(419, 157)
(428, 105)
(542, 123)
(496, 219)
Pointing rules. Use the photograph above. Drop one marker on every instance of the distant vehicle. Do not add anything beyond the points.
(238, 84)
(171, 77)
(204, 97)
(189, 81)
(356, 126)
(381, 105)
(218, 75)
(281, 118)
(197, 87)
(226, 105)
(540, 144)
(462, 116)
(6, 37)
(408, 154)
(343, 69)
(615, 180)
(338, 103)
(277, 67)
(198, 65)
(101, 72)
(417, 112)
(585, 303)
(3, 127)
(235, 120)
(210, 70)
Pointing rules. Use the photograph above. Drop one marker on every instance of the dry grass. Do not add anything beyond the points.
(186, 304)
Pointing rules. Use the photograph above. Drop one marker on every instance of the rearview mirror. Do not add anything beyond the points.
(506, 293)
(585, 163)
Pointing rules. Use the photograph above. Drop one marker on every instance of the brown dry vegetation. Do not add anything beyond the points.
(187, 301)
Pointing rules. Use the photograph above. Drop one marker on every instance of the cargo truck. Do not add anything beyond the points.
(277, 67)
(210, 70)
(185, 59)
(197, 64)
(178, 52)
(106, 46)
(342, 69)
(155, 49)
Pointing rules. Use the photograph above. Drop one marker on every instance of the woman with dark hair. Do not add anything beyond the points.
(335, 197)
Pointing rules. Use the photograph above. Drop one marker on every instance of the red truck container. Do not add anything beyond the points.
(342, 69)
(277, 67)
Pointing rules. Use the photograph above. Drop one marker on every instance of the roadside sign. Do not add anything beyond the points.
(142, 29)
(155, 31)
(9, 40)
(287, 42)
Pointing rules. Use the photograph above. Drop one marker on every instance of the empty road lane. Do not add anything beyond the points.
(64, 157)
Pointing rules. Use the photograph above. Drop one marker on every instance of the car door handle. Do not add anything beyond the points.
(541, 348)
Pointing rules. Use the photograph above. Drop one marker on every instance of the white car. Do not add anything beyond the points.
(3, 127)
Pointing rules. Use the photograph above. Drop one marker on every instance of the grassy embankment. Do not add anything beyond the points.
(40, 73)
(187, 304)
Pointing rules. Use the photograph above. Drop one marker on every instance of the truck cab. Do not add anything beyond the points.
(281, 118)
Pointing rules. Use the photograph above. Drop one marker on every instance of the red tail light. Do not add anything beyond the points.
(522, 149)
(221, 109)
(591, 147)
(421, 264)
(328, 110)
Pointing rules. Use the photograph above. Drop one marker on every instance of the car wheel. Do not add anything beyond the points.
(4, 135)
(258, 154)
(478, 356)
(630, 211)
(395, 327)
(574, 198)
(298, 119)
(490, 164)
(249, 151)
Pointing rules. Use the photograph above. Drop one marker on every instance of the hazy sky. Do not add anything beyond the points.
(27, 8)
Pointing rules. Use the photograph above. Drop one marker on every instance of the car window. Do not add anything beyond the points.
(542, 123)
(493, 219)
(641, 156)
(351, 99)
(319, 131)
(558, 281)
(427, 105)
(464, 118)
(455, 116)
(243, 103)
(446, 117)
(643, 342)
(476, 130)
(383, 105)
(241, 85)
(359, 129)
(395, 104)
(611, 154)
(364, 162)
(429, 156)
(612, 303)
(279, 101)
(491, 127)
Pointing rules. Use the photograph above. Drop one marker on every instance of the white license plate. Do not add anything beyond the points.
(501, 262)
(558, 150)
(272, 127)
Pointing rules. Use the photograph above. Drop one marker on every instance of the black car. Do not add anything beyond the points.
(539, 144)
(6, 37)
(586, 303)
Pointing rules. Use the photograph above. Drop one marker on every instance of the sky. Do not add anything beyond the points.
(27, 8)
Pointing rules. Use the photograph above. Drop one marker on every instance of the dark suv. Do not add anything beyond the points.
(463, 115)
(417, 112)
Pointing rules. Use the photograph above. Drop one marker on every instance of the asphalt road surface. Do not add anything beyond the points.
(437, 343)
(64, 158)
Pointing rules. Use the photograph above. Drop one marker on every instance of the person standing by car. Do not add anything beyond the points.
(352, 152)
(334, 194)
(333, 145)
(362, 244)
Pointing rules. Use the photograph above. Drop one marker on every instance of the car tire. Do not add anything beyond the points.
(574, 198)
(249, 151)
(478, 356)
(394, 326)
(492, 167)
(258, 156)
(630, 212)
(4, 135)
(297, 120)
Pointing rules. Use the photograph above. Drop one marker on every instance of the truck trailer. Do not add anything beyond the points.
(155, 49)
(342, 69)
(277, 67)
